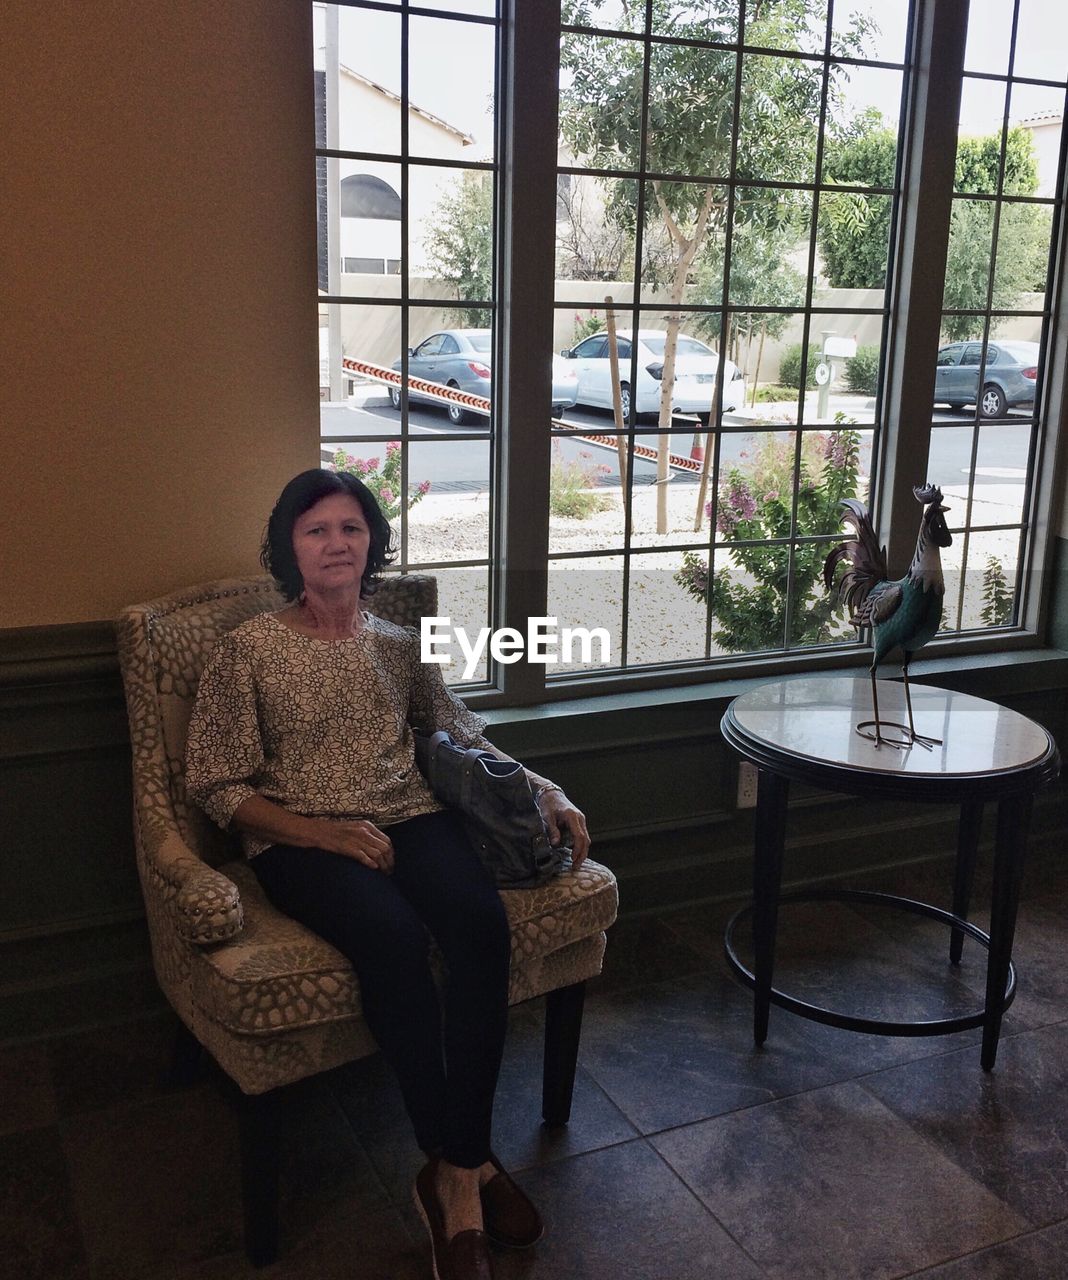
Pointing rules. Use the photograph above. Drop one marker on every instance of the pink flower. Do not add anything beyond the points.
(370, 465)
(392, 447)
(424, 488)
(771, 495)
(387, 495)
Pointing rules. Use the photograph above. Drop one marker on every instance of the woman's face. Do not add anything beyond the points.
(330, 543)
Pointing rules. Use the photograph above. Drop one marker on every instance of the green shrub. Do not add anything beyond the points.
(790, 367)
(862, 371)
(571, 491)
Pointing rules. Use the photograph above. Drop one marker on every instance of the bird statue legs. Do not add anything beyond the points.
(873, 729)
(913, 735)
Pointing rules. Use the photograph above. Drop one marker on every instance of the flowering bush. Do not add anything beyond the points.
(571, 485)
(385, 481)
(753, 510)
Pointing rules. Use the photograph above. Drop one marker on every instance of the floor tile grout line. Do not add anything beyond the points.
(978, 1253)
(707, 1208)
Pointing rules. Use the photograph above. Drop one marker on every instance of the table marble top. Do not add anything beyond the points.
(815, 718)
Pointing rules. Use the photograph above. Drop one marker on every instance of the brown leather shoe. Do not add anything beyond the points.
(467, 1255)
(511, 1220)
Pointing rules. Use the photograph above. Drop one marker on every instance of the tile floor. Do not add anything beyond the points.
(689, 1154)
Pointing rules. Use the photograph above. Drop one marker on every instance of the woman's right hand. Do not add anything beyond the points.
(358, 839)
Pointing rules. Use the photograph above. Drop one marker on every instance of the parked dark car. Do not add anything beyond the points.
(1008, 376)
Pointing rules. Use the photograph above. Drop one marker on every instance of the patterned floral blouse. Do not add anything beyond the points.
(321, 727)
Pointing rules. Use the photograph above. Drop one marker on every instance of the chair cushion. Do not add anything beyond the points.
(276, 975)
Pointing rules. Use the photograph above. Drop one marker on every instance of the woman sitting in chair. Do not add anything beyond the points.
(301, 740)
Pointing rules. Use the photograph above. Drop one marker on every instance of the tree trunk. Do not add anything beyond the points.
(687, 248)
(760, 357)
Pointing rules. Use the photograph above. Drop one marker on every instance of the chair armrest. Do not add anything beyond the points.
(204, 905)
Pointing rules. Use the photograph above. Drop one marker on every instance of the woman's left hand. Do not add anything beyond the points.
(561, 815)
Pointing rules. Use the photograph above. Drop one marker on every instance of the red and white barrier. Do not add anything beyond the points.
(479, 404)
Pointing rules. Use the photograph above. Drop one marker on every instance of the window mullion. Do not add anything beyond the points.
(930, 145)
(527, 221)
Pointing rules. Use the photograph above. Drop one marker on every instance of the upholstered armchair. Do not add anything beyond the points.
(270, 1001)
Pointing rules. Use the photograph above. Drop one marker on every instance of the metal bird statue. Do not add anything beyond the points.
(905, 613)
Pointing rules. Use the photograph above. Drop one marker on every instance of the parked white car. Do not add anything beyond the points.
(696, 366)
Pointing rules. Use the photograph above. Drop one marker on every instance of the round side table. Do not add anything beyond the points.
(803, 730)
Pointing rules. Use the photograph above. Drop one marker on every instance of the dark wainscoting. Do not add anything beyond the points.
(650, 770)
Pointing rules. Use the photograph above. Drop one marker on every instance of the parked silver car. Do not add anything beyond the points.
(1008, 376)
(462, 358)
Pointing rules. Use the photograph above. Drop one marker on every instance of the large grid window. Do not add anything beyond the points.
(706, 151)
(739, 246)
(997, 301)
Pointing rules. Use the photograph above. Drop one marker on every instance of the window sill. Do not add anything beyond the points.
(602, 720)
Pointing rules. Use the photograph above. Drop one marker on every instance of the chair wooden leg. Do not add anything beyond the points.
(258, 1123)
(563, 1027)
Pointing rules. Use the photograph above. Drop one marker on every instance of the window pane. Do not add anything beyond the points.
(1041, 42)
(874, 29)
(463, 597)
(766, 346)
(357, 348)
(817, 616)
(665, 621)
(854, 244)
(367, 68)
(585, 502)
(780, 113)
(450, 237)
(676, 213)
(699, 20)
(448, 500)
(682, 490)
(610, 15)
(600, 101)
(361, 198)
(587, 594)
(1038, 113)
(971, 233)
(989, 36)
(595, 238)
(1000, 473)
(749, 598)
(990, 579)
(979, 146)
(451, 114)
(862, 124)
(770, 237)
(690, 110)
(845, 353)
(1024, 234)
(779, 27)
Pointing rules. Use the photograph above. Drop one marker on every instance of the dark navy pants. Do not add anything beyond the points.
(447, 1054)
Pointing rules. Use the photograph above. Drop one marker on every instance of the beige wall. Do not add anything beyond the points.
(159, 284)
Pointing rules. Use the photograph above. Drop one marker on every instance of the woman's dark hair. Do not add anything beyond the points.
(300, 495)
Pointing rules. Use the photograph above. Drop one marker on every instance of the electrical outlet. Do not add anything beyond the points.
(747, 785)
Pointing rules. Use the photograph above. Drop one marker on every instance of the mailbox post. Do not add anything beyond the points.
(834, 348)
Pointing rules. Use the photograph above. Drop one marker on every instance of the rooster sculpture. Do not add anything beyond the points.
(904, 613)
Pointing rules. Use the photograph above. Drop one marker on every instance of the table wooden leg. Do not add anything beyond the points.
(772, 792)
(1014, 818)
(971, 822)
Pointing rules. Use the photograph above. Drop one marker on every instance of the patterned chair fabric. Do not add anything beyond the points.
(270, 1000)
